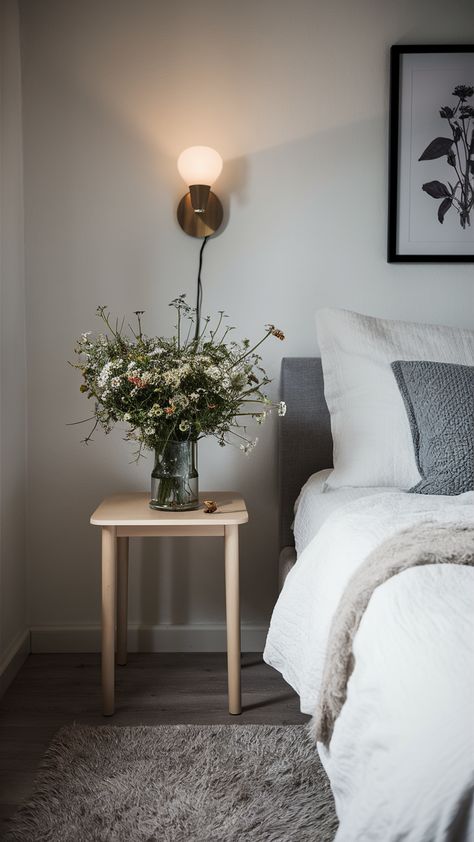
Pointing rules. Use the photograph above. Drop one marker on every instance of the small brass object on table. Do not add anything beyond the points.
(210, 507)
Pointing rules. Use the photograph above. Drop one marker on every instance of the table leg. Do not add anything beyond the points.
(122, 599)
(109, 564)
(233, 616)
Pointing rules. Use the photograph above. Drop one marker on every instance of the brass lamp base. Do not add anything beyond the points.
(200, 224)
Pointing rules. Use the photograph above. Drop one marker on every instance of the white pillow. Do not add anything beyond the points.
(371, 434)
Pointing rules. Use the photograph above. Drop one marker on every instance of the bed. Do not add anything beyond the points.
(399, 751)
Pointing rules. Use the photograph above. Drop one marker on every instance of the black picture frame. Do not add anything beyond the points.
(393, 255)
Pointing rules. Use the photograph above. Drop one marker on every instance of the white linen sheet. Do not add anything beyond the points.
(401, 757)
(316, 502)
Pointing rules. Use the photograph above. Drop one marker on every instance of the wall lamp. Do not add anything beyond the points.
(200, 211)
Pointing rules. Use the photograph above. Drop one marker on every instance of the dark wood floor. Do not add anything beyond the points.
(153, 689)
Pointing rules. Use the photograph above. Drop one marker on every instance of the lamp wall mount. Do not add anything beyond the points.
(200, 212)
(200, 222)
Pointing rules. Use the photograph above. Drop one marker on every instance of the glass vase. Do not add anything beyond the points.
(174, 481)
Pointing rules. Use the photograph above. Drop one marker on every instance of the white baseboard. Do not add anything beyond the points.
(13, 659)
(160, 638)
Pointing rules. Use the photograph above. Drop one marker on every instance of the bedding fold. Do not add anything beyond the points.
(400, 759)
(421, 544)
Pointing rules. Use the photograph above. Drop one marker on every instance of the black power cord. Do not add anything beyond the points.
(199, 291)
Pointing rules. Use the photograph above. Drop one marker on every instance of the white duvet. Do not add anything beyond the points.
(401, 759)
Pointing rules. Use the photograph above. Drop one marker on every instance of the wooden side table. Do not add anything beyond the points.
(125, 516)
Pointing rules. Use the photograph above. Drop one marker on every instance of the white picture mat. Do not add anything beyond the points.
(426, 84)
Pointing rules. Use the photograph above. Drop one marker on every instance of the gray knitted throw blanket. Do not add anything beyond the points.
(425, 543)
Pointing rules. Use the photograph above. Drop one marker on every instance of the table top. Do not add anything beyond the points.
(134, 510)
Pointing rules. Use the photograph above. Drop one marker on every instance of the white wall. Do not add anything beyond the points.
(13, 617)
(295, 97)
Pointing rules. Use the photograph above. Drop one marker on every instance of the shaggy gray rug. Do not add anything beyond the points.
(179, 783)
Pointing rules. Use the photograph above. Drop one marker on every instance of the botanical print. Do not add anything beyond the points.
(459, 152)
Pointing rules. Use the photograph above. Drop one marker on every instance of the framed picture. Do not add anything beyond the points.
(431, 158)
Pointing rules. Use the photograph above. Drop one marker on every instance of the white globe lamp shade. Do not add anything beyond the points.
(199, 165)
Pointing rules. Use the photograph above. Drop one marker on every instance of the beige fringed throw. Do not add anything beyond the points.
(425, 543)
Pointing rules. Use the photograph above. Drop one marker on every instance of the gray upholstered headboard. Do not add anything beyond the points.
(305, 442)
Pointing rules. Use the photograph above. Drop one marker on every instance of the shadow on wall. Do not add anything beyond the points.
(233, 183)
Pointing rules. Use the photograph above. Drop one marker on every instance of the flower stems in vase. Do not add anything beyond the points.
(174, 481)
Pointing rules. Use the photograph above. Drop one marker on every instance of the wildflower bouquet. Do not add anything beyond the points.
(194, 384)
